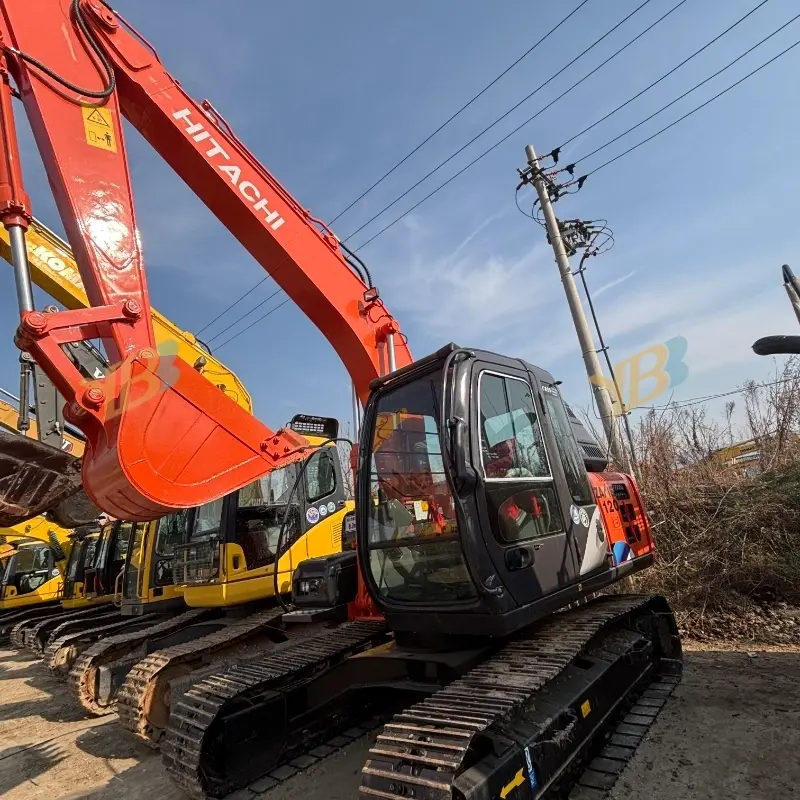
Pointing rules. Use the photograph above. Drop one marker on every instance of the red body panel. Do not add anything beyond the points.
(624, 517)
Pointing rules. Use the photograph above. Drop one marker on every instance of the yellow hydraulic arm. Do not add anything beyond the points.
(54, 270)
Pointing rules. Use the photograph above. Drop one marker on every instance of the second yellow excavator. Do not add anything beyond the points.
(37, 550)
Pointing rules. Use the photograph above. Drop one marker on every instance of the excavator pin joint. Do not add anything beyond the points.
(132, 309)
(74, 411)
(34, 324)
(103, 14)
(94, 397)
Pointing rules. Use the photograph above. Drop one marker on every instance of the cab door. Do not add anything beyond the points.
(520, 489)
(589, 537)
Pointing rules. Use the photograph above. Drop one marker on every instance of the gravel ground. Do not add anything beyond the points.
(731, 729)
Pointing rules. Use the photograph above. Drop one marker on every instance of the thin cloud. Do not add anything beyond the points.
(611, 284)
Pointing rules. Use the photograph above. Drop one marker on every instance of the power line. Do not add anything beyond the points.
(509, 111)
(512, 132)
(235, 303)
(253, 324)
(254, 308)
(664, 76)
(692, 401)
(419, 146)
(697, 108)
(631, 149)
(460, 110)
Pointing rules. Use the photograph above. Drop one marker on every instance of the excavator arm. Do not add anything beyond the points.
(158, 436)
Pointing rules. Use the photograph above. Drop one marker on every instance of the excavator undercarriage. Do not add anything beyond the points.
(542, 703)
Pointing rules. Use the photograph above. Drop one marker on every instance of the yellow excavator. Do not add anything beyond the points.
(34, 566)
(36, 550)
(197, 586)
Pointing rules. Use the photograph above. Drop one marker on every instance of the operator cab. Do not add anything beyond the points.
(81, 557)
(27, 569)
(480, 516)
(100, 579)
(149, 572)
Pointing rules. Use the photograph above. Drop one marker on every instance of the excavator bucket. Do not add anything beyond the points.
(35, 478)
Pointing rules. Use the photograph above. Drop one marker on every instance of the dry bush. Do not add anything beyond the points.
(727, 536)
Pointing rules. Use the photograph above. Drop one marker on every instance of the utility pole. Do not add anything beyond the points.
(792, 289)
(602, 397)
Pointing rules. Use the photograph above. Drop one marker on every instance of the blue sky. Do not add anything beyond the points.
(329, 96)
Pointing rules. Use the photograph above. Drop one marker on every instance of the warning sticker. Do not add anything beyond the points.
(99, 128)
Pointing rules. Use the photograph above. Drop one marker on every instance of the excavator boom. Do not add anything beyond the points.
(159, 438)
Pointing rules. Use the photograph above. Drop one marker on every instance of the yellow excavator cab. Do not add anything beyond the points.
(230, 545)
(81, 557)
(34, 572)
(31, 577)
(148, 583)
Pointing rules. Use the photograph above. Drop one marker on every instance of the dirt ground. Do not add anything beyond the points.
(732, 729)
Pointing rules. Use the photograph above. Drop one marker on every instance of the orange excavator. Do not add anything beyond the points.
(482, 535)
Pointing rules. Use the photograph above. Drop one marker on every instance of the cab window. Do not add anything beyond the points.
(571, 458)
(208, 519)
(320, 476)
(511, 439)
(172, 532)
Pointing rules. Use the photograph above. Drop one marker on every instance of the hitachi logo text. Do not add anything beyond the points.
(248, 190)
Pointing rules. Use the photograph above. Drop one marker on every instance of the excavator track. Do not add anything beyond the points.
(25, 635)
(147, 681)
(60, 647)
(13, 618)
(426, 752)
(82, 677)
(602, 772)
(202, 705)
